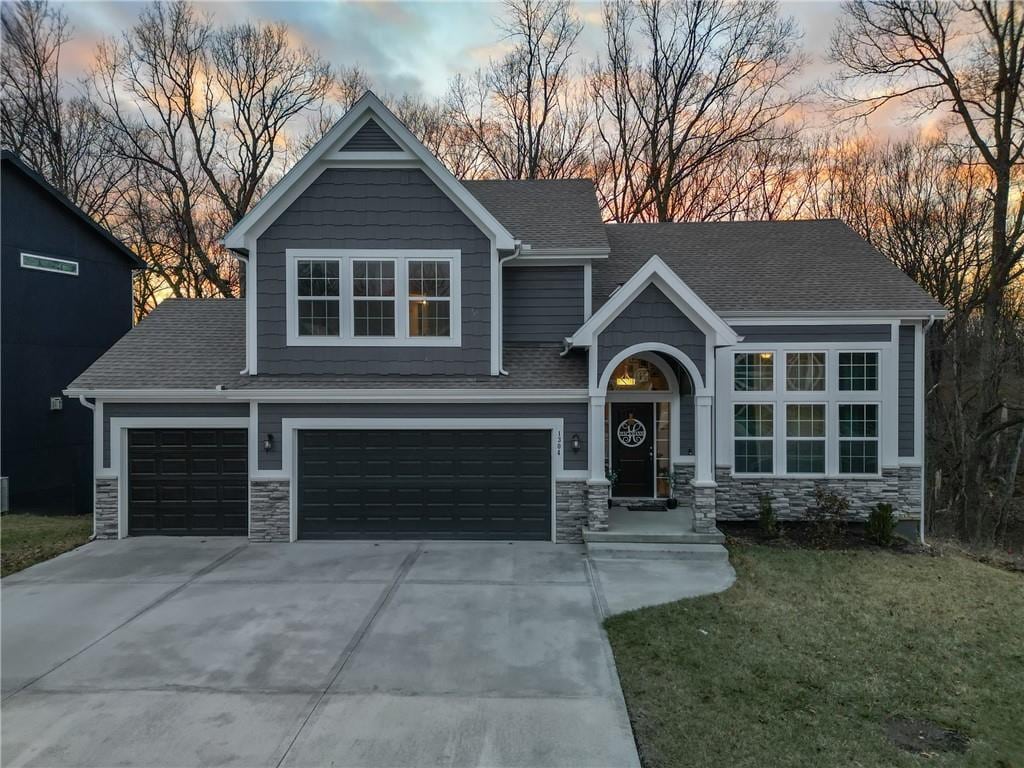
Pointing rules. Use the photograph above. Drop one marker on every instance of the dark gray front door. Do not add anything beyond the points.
(188, 482)
(632, 438)
(416, 484)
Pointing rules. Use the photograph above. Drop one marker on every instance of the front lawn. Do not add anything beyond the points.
(29, 539)
(813, 657)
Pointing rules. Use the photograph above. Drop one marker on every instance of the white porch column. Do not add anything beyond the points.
(596, 438)
(704, 471)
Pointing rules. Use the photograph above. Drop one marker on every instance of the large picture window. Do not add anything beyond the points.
(319, 290)
(858, 438)
(805, 438)
(754, 437)
(754, 372)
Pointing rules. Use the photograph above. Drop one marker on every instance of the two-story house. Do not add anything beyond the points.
(419, 356)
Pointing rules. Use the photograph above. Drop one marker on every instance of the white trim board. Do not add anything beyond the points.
(407, 394)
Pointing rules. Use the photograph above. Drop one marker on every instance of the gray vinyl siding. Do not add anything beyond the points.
(373, 209)
(573, 414)
(687, 426)
(541, 304)
(906, 390)
(770, 334)
(371, 138)
(167, 410)
(651, 317)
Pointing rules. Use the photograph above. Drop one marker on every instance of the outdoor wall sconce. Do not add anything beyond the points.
(574, 443)
(268, 444)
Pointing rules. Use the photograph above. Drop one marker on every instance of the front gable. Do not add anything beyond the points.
(370, 137)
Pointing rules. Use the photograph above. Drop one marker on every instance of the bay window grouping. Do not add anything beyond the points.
(817, 413)
(403, 297)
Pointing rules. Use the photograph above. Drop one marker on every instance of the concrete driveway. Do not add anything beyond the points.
(181, 652)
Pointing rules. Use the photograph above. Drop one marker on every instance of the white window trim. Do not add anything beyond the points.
(774, 405)
(877, 439)
(786, 438)
(48, 258)
(346, 337)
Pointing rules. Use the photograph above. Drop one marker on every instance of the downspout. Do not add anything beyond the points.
(245, 260)
(501, 297)
(924, 464)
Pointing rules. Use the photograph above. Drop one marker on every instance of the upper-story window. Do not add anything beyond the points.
(373, 297)
(754, 372)
(49, 264)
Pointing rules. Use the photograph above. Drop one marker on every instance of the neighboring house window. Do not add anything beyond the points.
(858, 438)
(319, 291)
(373, 298)
(805, 438)
(49, 264)
(754, 437)
(429, 298)
(805, 371)
(754, 372)
(858, 371)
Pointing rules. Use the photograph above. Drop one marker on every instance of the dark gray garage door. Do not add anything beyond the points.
(440, 484)
(188, 482)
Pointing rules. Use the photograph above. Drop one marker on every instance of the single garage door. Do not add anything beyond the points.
(188, 482)
(415, 484)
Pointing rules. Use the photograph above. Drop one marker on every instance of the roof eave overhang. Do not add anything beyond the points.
(246, 394)
(860, 314)
(321, 156)
(656, 272)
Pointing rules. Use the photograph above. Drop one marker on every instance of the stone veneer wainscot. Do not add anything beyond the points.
(269, 516)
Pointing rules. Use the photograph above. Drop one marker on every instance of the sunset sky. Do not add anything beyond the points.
(416, 47)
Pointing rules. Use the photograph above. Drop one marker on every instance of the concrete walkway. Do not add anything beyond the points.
(185, 652)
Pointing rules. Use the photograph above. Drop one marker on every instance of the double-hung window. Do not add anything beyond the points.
(318, 287)
(858, 438)
(373, 298)
(429, 298)
(805, 438)
(754, 442)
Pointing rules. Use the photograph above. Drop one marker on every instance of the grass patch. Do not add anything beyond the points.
(811, 656)
(29, 539)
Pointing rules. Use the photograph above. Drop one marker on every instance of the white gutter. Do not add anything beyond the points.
(501, 297)
(86, 403)
(244, 260)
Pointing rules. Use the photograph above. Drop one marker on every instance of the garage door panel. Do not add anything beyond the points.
(472, 484)
(188, 482)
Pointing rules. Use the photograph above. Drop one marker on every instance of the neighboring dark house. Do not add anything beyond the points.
(65, 298)
(423, 357)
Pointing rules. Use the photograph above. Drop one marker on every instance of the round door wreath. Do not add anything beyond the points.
(632, 433)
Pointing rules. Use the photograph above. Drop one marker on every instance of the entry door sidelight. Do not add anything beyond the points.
(632, 454)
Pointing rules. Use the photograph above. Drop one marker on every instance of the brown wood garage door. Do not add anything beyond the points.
(188, 482)
(424, 484)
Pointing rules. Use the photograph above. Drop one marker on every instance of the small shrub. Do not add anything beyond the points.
(881, 525)
(767, 522)
(828, 517)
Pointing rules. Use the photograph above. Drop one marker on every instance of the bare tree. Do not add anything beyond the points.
(966, 57)
(682, 85)
(57, 131)
(523, 112)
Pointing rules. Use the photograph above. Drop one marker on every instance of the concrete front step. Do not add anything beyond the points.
(659, 551)
(634, 536)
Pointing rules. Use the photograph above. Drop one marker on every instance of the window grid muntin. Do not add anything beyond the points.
(754, 371)
(429, 298)
(859, 441)
(318, 292)
(753, 438)
(806, 438)
(49, 264)
(806, 371)
(858, 371)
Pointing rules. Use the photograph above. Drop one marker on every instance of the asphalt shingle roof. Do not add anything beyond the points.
(770, 266)
(200, 344)
(545, 213)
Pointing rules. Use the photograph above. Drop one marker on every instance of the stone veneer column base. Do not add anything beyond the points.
(597, 504)
(269, 512)
(739, 497)
(105, 509)
(570, 511)
(703, 509)
(682, 488)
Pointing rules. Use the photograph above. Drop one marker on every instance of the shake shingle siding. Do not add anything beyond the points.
(574, 416)
(542, 304)
(373, 209)
(906, 390)
(651, 317)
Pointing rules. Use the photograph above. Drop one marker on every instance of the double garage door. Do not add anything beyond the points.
(350, 484)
